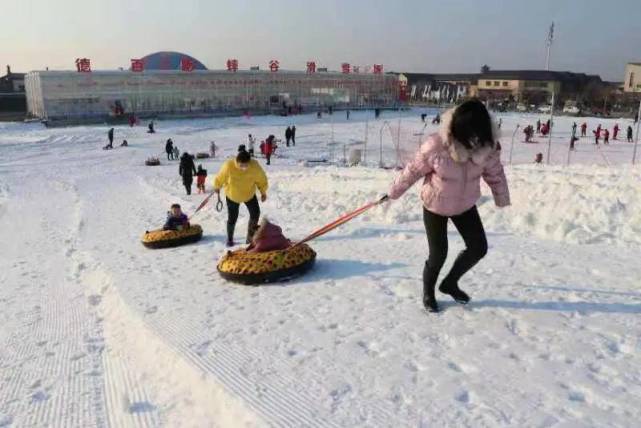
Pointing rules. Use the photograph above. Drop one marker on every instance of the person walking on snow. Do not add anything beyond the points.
(629, 134)
(269, 148)
(201, 175)
(294, 135)
(252, 143)
(451, 163)
(288, 135)
(597, 135)
(606, 136)
(187, 170)
(169, 149)
(584, 129)
(615, 131)
(240, 178)
(110, 137)
(538, 126)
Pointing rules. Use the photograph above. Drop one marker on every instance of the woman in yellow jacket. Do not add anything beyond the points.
(241, 177)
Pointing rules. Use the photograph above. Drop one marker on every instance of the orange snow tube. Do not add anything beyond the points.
(172, 238)
(248, 268)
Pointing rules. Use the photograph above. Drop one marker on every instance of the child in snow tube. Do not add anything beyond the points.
(176, 231)
(269, 258)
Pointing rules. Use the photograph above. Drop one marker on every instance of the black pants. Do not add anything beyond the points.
(170, 155)
(293, 140)
(232, 217)
(471, 229)
(187, 181)
(287, 139)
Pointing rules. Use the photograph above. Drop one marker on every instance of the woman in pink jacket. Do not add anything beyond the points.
(451, 163)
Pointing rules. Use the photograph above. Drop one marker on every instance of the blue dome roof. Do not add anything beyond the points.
(169, 61)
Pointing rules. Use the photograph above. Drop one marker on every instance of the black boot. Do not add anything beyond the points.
(429, 301)
(456, 293)
(230, 234)
(252, 226)
(429, 285)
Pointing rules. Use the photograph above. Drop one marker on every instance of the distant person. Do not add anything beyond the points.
(212, 149)
(132, 120)
(169, 149)
(615, 131)
(319, 114)
(187, 170)
(574, 126)
(201, 175)
(629, 134)
(573, 137)
(377, 113)
(110, 137)
(451, 163)
(241, 178)
(437, 119)
(270, 148)
(251, 141)
(347, 114)
(176, 219)
(584, 129)
(288, 135)
(597, 135)
(294, 135)
(538, 126)
(423, 116)
(598, 129)
(176, 153)
(606, 136)
(500, 123)
(538, 159)
(124, 143)
(150, 127)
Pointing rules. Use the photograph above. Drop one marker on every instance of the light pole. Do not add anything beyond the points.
(550, 128)
(636, 140)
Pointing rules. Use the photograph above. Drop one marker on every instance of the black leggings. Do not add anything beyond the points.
(232, 216)
(471, 229)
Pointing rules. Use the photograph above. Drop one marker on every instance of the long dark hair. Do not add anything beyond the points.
(472, 125)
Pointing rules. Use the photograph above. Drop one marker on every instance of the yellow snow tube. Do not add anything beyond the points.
(270, 266)
(172, 238)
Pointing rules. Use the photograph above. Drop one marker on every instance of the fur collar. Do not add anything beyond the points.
(458, 151)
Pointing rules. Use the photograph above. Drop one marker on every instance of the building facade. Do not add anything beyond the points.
(13, 102)
(68, 96)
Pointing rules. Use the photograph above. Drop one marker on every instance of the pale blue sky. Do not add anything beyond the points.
(593, 36)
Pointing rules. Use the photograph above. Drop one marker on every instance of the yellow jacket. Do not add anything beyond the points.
(240, 186)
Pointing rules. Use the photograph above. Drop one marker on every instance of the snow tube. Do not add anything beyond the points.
(152, 162)
(172, 238)
(202, 155)
(250, 268)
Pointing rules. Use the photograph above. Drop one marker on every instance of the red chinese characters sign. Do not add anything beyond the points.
(378, 68)
(83, 65)
(311, 67)
(232, 65)
(186, 64)
(274, 65)
(137, 65)
(345, 68)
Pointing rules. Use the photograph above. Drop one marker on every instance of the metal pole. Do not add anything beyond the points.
(366, 137)
(512, 144)
(636, 141)
(550, 130)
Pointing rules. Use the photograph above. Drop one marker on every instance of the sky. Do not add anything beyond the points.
(591, 36)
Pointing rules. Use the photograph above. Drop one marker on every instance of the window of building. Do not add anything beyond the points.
(631, 82)
(504, 83)
(497, 83)
(488, 83)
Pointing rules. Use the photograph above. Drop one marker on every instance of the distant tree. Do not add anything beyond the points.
(485, 69)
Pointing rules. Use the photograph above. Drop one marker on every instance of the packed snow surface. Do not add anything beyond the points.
(96, 330)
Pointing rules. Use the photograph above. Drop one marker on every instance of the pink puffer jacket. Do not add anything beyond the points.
(452, 174)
